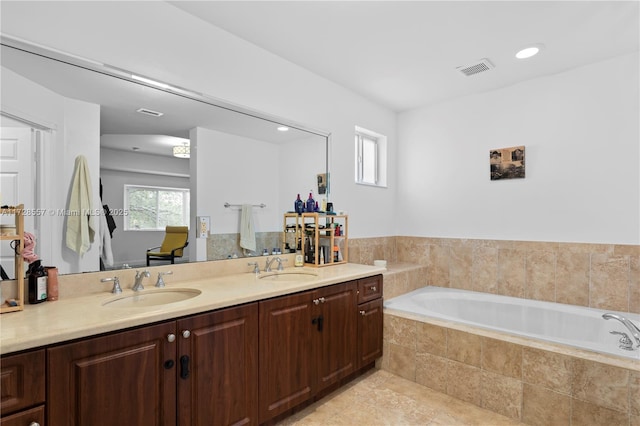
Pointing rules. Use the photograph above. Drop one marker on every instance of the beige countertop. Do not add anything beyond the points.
(84, 315)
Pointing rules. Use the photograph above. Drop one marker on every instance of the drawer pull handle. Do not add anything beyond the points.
(184, 367)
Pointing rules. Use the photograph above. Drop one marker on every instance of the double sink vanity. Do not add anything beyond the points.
(218, 345)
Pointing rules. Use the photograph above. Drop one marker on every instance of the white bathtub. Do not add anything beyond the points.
(554, 322)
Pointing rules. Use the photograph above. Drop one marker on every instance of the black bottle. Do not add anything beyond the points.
(37, 282)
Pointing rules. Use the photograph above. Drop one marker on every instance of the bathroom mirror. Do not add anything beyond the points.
(247, 159)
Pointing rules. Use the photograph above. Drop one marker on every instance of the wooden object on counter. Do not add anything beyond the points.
(329, 239)
(17, 212)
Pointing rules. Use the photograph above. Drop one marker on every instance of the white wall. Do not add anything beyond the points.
(581, 132)
(181, 49)
(77, 126)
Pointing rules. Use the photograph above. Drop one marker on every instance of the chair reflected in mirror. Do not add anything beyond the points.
(175, 240)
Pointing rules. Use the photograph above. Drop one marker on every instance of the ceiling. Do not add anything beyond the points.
(404, 54)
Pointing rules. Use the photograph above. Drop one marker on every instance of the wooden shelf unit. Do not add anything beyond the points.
(325, 237)
(17, 212)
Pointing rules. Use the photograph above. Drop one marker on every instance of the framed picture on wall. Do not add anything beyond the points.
(323, 183)
(507, 163)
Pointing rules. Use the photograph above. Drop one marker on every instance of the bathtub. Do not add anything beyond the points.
(570, 325)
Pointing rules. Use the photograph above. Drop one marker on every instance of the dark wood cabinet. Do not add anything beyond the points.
(127, 378)
(22, 387)
(307, 342)
(337, 344)
(220, 383)
(201, 370)
(286, 353)
(370, 318)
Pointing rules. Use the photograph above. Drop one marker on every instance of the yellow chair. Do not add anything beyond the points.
(175, 240)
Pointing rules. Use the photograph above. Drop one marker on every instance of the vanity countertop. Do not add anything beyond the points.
(76, 317)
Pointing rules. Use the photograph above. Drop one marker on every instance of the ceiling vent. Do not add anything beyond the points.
(150, 112)
(471, 69)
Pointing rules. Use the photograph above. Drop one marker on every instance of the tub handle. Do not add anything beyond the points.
(625, 341)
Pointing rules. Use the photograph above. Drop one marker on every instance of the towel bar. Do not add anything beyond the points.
(262, 206)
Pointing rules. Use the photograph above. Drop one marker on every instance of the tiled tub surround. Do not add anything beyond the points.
(536, 382)
(532, 381)
(602, 276)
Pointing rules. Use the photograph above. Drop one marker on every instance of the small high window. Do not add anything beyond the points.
(153, 208)
(371, 158)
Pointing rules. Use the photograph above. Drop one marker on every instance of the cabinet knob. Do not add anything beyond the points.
(186, 334)
(34, 424)
(322, 299)
(363, 313)
(316, 301)
(171, 338)
(373, 288)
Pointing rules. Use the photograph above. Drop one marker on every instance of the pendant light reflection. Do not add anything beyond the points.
(182, 151)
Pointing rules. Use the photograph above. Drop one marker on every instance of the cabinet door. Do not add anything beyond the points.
(22, 381)
(218, 383)
(337, 350)
(369, 332)
(127, 378)
(286, 364)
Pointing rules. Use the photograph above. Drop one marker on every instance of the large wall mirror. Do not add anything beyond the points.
(127, 128)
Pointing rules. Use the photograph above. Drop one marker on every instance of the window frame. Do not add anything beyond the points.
(379, 142)
(185, 205)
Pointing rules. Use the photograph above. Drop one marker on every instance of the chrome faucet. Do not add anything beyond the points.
(116, 284)
(269, 262)
(633, 329)
(139, 276)
(256, 268)
(160, 281)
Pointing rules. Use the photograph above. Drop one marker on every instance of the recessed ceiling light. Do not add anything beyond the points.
(283, 129)
(529, 51)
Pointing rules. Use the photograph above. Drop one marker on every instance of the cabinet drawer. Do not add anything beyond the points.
(369, 288)
(25, 418)
(22, 381)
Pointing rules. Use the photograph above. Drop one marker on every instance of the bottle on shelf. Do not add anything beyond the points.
(37, 282)
(298, 205)
(311, 204)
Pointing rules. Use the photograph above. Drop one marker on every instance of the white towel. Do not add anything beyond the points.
(80, 229)
(247, 233)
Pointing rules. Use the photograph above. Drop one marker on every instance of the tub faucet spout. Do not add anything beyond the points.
(633, 329)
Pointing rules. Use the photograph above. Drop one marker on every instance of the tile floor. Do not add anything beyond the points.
(381, 398)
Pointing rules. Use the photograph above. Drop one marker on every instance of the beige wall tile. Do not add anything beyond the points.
(549, 369)
(634, 420)
(431, 371)
(587, 414)
(572, 278)
(609, 282)
(431, 339)
(395, 284)
(463, 382)
(400, 331)
(501, 394)
(461, 264)
(439, 266)
(634, 284)
(502, 357)
(485, 269)
(402, 361)
(601, 384)
(417, 278)
(544, 407)
(634, 392)
(412, 250)
(464, 347)
(511, 273)
(541, 275)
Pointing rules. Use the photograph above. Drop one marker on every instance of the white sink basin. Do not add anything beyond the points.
(299, 276)
(147, 298)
